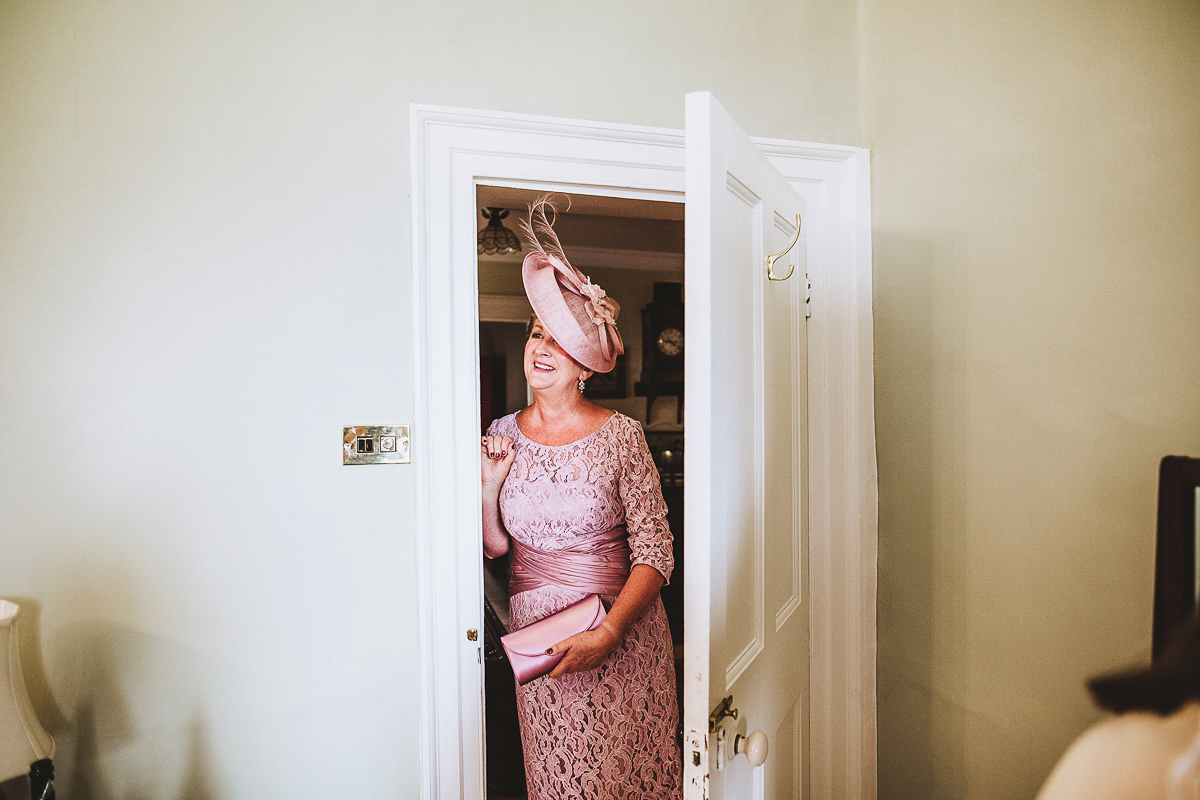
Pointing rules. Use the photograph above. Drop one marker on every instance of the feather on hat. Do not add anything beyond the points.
(580, 316)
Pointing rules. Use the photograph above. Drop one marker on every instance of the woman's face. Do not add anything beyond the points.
(547, 366)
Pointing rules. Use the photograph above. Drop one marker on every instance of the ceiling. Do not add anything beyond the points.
(606, 231)
(586, 204)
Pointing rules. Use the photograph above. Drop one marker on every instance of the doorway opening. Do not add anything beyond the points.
(634, 249)
(454, 150)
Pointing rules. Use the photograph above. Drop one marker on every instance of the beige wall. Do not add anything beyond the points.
(1036, 191)
(204, 275)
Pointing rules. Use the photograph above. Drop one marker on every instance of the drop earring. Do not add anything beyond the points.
(582, 385)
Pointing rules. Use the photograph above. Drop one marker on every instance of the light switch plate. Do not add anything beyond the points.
(375, 444)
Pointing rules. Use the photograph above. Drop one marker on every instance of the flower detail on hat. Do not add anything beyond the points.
(599, 307)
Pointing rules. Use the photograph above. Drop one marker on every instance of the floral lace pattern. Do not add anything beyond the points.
(610, 733)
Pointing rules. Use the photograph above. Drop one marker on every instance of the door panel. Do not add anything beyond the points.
(746, 418)
(783, 767)
(785, 373)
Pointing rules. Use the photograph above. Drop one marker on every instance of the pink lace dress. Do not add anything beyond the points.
(611, 732)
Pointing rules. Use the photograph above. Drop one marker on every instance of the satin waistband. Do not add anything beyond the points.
(600, 565)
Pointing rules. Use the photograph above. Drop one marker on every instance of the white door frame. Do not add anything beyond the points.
(454, 150)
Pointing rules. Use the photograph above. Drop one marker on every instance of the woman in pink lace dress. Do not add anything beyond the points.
(571, 488)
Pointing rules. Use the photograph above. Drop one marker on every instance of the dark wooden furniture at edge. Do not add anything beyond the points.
(1175, 552)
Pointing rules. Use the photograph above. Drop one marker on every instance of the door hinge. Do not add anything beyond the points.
(807, 295)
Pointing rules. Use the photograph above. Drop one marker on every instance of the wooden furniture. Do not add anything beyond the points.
(662, 347)
(1175, 552)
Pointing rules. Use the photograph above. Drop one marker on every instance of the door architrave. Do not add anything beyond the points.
(454, 150)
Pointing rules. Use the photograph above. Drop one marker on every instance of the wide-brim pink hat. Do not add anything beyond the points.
(580, 316)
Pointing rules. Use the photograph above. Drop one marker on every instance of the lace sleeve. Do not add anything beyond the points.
(645, 510)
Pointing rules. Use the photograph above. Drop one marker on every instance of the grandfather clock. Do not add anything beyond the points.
(662, 347)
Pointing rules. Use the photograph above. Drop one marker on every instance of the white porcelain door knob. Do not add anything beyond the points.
(755, 748)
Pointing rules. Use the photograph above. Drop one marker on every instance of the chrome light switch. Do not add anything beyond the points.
(375, 444)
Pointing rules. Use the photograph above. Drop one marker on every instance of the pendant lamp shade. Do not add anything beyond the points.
(23, 740)
(494, 238)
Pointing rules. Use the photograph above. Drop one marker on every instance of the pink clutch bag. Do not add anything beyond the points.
(527, 647)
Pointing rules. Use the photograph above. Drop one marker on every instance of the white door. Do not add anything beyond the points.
(745, 505)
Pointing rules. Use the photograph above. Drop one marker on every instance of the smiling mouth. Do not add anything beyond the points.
(540, 367)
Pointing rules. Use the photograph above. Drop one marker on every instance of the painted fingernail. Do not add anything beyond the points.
(549, 651)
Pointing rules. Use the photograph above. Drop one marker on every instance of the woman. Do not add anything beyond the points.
(1151, 749)
(571, 488)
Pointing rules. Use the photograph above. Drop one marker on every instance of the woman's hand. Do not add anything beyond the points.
(496, 454)
(584, 651)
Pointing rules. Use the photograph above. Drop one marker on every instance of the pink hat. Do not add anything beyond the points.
(576, 312)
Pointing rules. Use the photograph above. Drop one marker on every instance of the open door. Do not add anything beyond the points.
(758, 583)
(746, 503)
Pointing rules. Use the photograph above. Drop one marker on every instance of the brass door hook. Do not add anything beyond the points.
(772, 259)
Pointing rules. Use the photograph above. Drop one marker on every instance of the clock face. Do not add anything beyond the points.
(670, 342)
